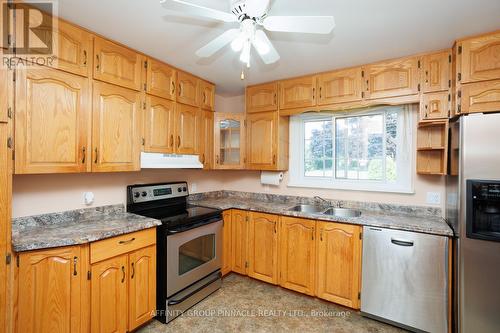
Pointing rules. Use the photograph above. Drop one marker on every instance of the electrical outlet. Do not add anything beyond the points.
(433, 198)
(88, 198)
(194, 187)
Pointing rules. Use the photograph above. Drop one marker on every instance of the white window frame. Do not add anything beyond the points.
(405, 163)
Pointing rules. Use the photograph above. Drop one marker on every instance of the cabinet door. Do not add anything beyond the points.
(206, 142)
(115, 128)
(109, 295)
(117, 64)
(480, 97)
(263, 247)
(226, 242)
(207, 96)
(297, 254)
(262, 140)
(480, 58)
(6, 93)
(239, 227)
(51, 288)
(159, 125)
(161, 80)
(229, 141)
(437, 71)
(186, 129)
(142, 289)
(263, 97)
(435, 105)
(298, 93)
(392, 79)
(188, 89)
(52, 122)
(340, 86)
(339, 263)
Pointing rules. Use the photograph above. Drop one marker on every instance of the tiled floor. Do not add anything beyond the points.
(246, 305)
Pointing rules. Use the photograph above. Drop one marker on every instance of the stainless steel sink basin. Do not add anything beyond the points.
(310, 209)
(342, 212)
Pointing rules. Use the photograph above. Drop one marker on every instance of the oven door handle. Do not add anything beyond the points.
(178, 301)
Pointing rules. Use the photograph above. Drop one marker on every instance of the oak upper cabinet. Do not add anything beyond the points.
(187, 92)
(226, 242)
(52, 289)
(186, 129)
(53, 122)
(298, 254)
(340, 86)
(262, 98)
(436, 105)
(117, 64)
(339, 263)
(207, 96)
(392, 78)
(437, 71)
(159, 125)
(239, 241)
(71, 44)
(109, 295)
(161, 79)
(115, 139)
(479, 58)
(298, 93)
(142, 288)
(6, 93)
(480, 97)
(229, 141)
(263, 247)
(206, 143)
(267, 141)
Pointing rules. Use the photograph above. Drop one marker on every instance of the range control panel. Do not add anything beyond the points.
(144, 193)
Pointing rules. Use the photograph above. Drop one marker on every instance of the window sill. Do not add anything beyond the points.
(353, 187)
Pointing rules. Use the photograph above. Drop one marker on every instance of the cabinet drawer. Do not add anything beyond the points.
(115, 246)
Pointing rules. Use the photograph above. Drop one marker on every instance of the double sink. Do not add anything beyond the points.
(330, 211)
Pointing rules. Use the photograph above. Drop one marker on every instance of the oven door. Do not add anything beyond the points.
(192, 255)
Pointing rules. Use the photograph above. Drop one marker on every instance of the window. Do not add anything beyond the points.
(359, 150)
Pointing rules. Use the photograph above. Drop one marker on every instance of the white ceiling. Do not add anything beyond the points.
(366, 31)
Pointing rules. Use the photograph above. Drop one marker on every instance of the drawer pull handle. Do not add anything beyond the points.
(127, 241)
(401, 242)
(83, 153)
(123, 274)
(133, 271)
(85, 57)
(75, 260)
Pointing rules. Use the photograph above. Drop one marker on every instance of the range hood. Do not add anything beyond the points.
(167, 161)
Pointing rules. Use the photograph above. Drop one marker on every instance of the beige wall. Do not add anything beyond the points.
(36, 194)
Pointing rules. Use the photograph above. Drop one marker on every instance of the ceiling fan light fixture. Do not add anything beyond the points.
(237, 43)
(245, 54)
(261, 46)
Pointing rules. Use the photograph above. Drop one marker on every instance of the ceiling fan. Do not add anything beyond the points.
(253, 19)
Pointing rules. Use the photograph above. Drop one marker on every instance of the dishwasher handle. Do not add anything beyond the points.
(401, 242)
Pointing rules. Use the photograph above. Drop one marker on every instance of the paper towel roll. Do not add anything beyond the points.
(271, 178)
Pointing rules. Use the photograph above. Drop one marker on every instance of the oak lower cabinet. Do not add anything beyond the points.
(262, 253)
(52, 290)
(116, 124)
(226, 242)
(267, 141)
(239, 241)
(53, 122)
(123, 282)
(298, 254)
(339, 263)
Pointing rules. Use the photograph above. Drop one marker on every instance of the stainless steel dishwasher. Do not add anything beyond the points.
(405, 279)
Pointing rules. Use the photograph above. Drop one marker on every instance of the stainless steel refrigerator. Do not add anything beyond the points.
(473, 211)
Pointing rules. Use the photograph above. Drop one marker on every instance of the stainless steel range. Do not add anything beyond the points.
(189, 245)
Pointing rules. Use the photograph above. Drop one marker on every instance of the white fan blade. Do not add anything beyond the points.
(302, 24)
(265, 48)
(196, 10)
(218, 43)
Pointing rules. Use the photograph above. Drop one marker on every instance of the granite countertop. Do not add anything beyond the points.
(75, 227)
(404, 220)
